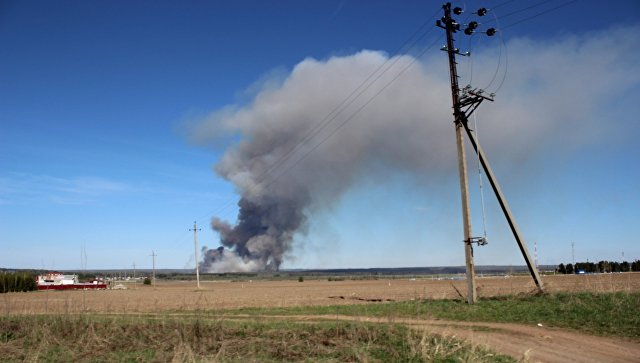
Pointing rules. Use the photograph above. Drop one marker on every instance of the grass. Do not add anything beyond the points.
(609, 314)
(90, 338)
(246, 335)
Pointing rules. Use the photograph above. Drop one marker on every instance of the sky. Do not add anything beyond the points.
(115, 114)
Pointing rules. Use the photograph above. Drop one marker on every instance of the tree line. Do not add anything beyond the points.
(17, 281)
(600, 267)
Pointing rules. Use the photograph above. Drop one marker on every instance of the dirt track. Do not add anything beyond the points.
(526, 342)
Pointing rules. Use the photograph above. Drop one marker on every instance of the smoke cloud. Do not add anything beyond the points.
(285, 167)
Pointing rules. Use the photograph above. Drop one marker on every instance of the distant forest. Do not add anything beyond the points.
(599, 267)
(17, 281)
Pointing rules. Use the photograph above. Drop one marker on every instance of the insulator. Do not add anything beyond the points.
(481, 12)
(468, 31)
(457, 10)
(473, 25)
(491, 32)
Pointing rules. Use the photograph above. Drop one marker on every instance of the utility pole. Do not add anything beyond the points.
(153, 255)
(134, 275)
(449, 26)
(195, 251)
(573, 255)
(465, 102)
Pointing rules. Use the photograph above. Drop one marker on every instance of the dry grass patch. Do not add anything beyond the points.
(84, 338)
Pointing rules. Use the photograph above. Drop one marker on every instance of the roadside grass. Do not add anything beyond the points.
(163, 338)
(609, 314)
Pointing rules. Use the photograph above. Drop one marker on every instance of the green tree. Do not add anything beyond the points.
(625, 267)
(569, 268)
(615, 266)
(562, 269)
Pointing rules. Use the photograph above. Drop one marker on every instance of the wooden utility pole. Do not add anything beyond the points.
(195, 251)
(465, 102)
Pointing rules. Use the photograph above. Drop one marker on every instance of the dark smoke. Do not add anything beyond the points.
(264, 231)
(275, 202)
(407, 129)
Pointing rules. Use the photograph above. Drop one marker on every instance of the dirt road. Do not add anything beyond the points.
(526, 342)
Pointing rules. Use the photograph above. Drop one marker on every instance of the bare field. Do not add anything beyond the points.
(170, 296)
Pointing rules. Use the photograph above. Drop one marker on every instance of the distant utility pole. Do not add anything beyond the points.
(195, 250)
(153, 255)
(573, 255)
(465, 102)
(134, 274)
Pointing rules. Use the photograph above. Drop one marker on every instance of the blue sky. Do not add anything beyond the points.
(98, 102)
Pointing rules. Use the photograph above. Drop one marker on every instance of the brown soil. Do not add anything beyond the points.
(171, 296)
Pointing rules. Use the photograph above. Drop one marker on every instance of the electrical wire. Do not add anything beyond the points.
(470, 58)
(328, 119)
(348, 101)
(501, 4)
(539, 14)
(348, 119)
(506, 63)
(518, 22)
(484, 216)
(523, 9)
(316, 130)
(502, 46)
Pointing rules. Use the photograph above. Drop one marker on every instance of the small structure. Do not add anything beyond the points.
(60, 281)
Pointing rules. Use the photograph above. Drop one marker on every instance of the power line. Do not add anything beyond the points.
(539, 14)
(349, 100)
(503, 45)
(341, 107)
(501, 4)
(340, 126)
(348, 119)
(521, 10)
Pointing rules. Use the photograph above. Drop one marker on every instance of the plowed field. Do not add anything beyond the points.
(170, 296)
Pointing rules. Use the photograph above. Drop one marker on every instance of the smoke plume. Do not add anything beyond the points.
(285, 166)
